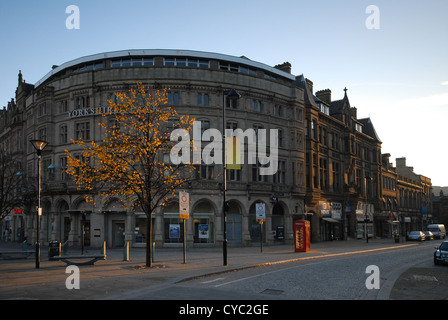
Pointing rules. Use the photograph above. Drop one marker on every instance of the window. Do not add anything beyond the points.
(237, 68)
(62, 168)
(42, 109)
(42, 134)
(278, 111)
(314, 129)
(186, 62)
(256, 176)
(205, 172)
(205, 125)
(173, 98)
(280, 176)
(324, 108)
(203, 99)
(134, 62)
(232, 125)
(256, 105)
(231, 103)
(323, 174)
(336, 177)
(280, 138)
(63, 106)
(82, 102)
(89, 67)
(234, 175)
(83, 131)
(63, 134)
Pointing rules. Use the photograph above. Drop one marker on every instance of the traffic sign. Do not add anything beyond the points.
(184, 205)
(260, 212)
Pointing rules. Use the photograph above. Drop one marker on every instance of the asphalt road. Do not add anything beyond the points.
(341, 276)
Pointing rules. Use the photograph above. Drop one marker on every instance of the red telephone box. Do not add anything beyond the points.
(302, 235)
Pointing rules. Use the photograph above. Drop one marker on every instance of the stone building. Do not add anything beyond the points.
(342, 165)
(64, 105)
(330, 167)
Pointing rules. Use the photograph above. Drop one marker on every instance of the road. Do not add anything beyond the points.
(329, 277)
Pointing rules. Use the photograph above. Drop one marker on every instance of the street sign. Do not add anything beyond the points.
(184, 205)
(260, 212)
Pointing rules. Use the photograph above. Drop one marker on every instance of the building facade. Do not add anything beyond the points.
(343, 166)
(65, 105)
(330, 167)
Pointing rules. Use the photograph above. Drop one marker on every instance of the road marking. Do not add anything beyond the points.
(309, 258)
(214, 280)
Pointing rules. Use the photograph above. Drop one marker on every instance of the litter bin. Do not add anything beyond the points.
(53, 249)
(397, 238)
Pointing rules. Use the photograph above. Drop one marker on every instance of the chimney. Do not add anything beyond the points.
(285, 66)
(401, 162)
(324, 95)
(310, 84)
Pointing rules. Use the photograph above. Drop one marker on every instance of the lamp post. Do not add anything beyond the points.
(367, 177)
(234, 95)
(39, 145)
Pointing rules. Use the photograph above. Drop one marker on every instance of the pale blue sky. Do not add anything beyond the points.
(395, 75)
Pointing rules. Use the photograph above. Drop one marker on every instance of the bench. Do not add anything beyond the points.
(69, 259)
(10, 255)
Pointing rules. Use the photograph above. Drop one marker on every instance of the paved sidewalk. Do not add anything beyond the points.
(20, 279)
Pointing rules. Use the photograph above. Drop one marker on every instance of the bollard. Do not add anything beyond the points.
(152, 251)
(126, 251)
(103, 250)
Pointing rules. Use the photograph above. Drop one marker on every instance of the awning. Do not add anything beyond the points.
(331, 220)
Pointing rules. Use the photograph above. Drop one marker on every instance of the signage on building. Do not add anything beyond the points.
(174, 231)
(330, 209)
(203, 230)
(85, 112)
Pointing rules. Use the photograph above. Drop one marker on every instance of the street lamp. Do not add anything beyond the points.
(39, 145)
(233, 95)
(367, 177)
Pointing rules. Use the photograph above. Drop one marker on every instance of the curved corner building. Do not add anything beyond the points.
(63, 106)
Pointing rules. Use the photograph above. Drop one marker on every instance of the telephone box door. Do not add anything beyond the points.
(302, 235)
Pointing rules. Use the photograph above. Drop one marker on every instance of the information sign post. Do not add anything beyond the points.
(184, 213)
(260, 215)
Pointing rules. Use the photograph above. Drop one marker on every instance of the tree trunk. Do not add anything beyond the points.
(149, 241)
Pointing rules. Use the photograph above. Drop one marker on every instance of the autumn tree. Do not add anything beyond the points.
(132, 162)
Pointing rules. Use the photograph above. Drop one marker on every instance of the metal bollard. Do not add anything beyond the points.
(126, 251)
(103, 250)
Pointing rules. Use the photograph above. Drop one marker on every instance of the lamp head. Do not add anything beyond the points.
(39, 145)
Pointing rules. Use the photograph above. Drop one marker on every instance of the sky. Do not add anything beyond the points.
(393, 59)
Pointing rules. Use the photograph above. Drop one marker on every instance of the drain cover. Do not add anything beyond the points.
(272, 291)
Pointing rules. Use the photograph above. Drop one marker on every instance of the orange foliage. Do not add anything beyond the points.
(132, 162)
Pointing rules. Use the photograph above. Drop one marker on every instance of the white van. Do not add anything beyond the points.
(438, 230)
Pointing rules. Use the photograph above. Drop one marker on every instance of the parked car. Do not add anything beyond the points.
(441, 254)
(416, 235)
(428, 235)
(438, 230)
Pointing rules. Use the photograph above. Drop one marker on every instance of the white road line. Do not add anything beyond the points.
(214, 280)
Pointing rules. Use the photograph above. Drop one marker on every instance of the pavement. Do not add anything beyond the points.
(113, 277)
